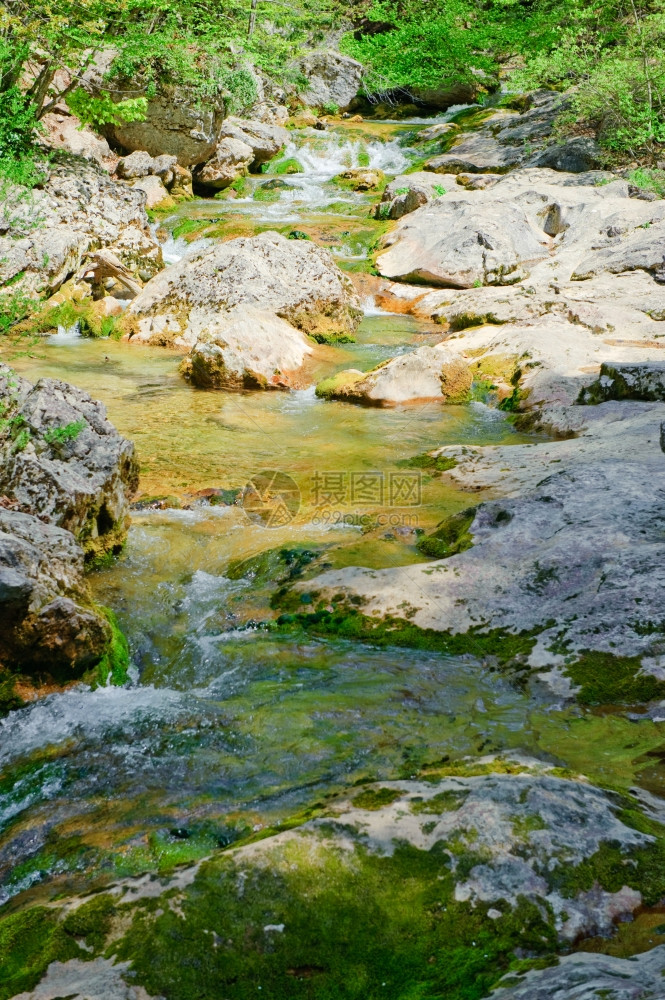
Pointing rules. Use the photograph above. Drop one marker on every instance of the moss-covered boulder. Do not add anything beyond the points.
(403, 889)
(426, 373)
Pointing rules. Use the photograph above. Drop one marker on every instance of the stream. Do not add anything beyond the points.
(226, 727)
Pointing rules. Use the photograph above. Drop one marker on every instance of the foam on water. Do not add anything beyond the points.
(80, 713)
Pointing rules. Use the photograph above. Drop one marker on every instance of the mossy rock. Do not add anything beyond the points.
(287, 166)
(450, 537)
(340, 385)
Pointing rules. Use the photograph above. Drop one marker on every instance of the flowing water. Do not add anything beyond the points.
(228, 727)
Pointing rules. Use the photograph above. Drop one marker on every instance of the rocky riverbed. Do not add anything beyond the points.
(404, 739)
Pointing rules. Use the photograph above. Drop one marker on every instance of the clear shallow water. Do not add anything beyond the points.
(226, 728)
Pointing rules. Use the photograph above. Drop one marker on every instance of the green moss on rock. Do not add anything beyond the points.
(114, 665)
(606, 679)
(309, 920)
(450, 537)
(349, 623)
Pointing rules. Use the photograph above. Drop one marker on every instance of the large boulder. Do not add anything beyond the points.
(79, 208)
(49, 624)
(461, 242)
(331, 79)
(61, 458)
(65, 478)
(231, 160)
(257, 299)
(266, 140)
(446, 95)
(427, 373)
(176, 122)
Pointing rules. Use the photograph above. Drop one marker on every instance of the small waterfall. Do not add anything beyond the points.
(67, 334)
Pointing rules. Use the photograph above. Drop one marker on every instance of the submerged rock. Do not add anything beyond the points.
(247, 308)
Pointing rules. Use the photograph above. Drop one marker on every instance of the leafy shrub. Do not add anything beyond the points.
(101, 110)
(18, 124)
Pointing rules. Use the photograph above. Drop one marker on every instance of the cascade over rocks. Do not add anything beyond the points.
(245, 308)
(65, 478)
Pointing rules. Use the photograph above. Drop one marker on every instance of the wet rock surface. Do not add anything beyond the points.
(508, 852)
(587, 976)
(426, 373)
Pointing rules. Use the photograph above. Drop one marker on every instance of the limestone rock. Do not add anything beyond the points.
(458, 243)
(155, 192)
(256, 299)
(65, 478)
(574, 156)
(407, 192)
(62, 458)
(265, 139)
(640, 250)
(49, 627)
(361, 178)
(331, 79)
(79, 209)
(232, 159)
(640, 380)
(137, 164)
(558, 555)
(587, 976)
(248, 349)
(426, 373)
(64, 131)
(176, 122)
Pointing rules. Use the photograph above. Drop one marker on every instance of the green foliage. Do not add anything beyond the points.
(18, 124)
(649, 180)
(61, 435)
(612, 51)
(330, 108)
(101, 110)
